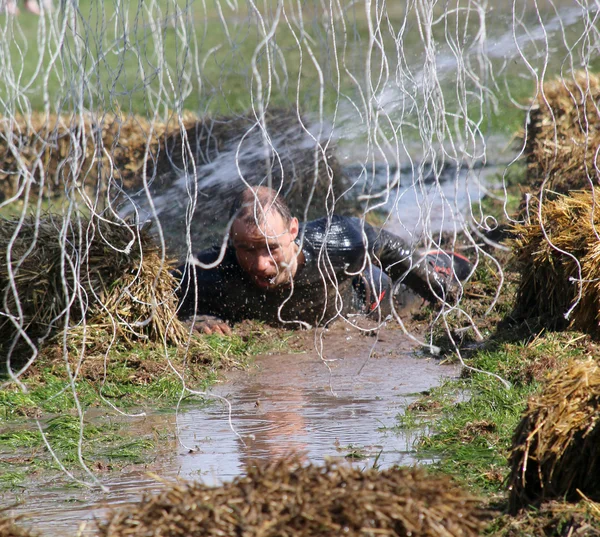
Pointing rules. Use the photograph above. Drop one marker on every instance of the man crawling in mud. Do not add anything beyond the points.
(280, 272)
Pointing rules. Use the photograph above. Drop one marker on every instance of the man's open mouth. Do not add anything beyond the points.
(264, 281)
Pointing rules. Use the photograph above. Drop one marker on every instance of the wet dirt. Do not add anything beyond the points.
(340, 402)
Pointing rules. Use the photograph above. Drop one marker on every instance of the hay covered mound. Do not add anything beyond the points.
(193, 166)
(286, 499)
(60, 150)
(556, 447)
(114, 278)
(563, 134)
(547, 289)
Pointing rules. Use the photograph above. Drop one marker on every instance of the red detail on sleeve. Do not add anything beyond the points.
(378, 301)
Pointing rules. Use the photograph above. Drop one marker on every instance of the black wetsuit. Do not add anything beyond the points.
(332, 279)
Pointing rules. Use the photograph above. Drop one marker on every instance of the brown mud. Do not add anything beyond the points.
(337, 403)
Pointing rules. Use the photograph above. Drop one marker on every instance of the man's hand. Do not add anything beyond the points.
(209, 324)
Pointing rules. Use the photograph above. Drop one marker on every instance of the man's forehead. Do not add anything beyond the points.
(272, 227)
(257, 237)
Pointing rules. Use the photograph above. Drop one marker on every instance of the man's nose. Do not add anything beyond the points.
(264, 262)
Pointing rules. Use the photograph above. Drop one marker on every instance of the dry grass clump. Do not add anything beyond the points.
(556, 447)
(67, 272)
(553, 519)
(59, 150)
(563, 134)
(8, 528)
(550, 278)
(286, 499)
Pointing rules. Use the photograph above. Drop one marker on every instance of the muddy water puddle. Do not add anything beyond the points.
(342, 407)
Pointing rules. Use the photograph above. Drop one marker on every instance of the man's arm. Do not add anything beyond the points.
(195, 291)
(399, 263)
(429, 275)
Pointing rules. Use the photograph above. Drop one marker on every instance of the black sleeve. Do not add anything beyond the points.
(193, 279)
(346, 250)
(396, 259)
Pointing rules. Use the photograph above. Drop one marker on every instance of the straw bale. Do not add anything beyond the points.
(114, 276)
(563, 134)
(550, 276)
(49, 152)
(55, 149)
(556, 446)
(109, 156)
(284, 499)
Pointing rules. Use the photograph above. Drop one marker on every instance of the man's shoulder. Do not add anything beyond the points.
(341, 237)
(204, 260)
(211, 255)
(334, 223)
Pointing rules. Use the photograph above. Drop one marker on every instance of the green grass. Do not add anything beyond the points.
(353, 452)
(52, 393)
(143, 375)
(130, 451)
(64, 433)
(473, 418)
(136, 379)
(193, 62)
(103, 444)
(20, 438)
(10, 478)
(208, 69)
(473, 437)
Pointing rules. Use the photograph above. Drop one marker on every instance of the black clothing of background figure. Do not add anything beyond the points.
(327, 282)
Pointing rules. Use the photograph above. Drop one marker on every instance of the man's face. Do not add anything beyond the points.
(267, 252)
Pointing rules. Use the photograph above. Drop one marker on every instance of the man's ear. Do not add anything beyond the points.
(294, 228)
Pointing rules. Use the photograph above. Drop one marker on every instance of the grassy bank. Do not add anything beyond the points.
(42, 413)
(474, 418)
(471, 421)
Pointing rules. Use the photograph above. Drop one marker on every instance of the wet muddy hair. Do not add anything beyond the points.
(251, 205)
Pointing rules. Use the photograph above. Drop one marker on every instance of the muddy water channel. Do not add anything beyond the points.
(343, 407)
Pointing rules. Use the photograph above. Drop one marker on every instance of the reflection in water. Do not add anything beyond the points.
(286, 403)
(294, 403)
